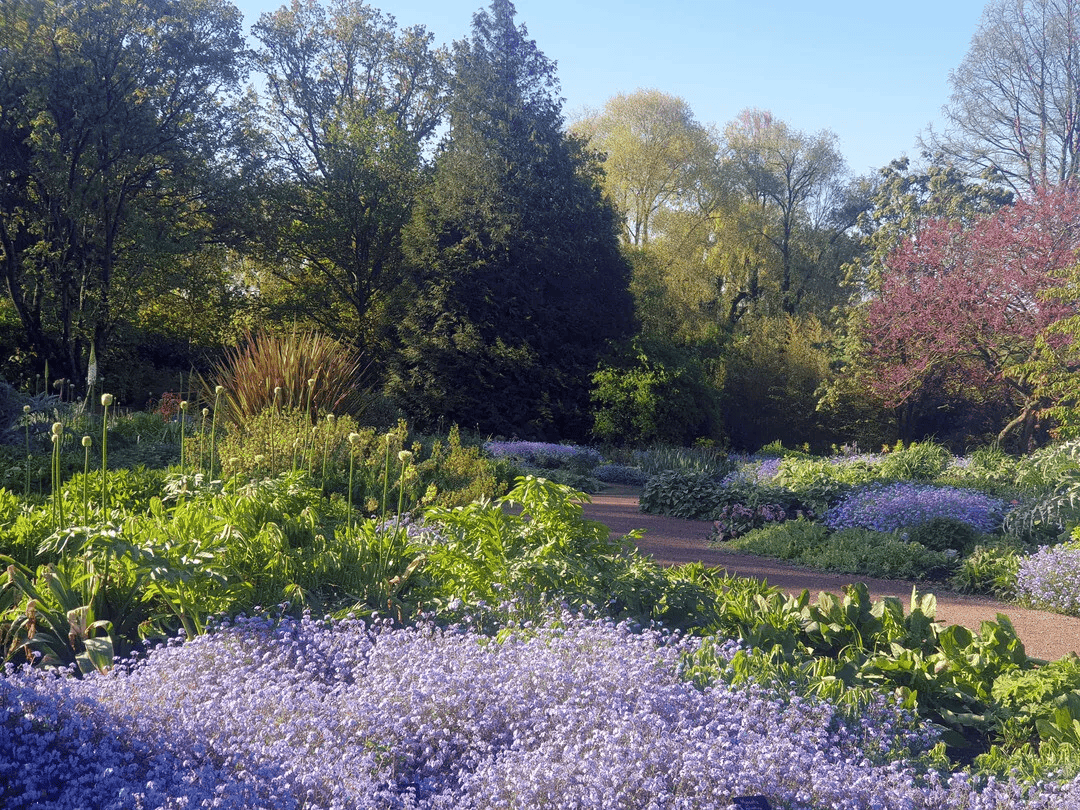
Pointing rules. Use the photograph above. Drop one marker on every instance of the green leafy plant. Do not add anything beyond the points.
(684, 495)
(918, 461)
(990, 569)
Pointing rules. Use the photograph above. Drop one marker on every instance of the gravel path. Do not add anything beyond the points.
(672, 541)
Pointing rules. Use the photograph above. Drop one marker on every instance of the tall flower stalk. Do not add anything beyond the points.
(57, 494)
(183, 432)
(26, 425)
(86, 442)
(106, 401)
(353, 439)
(218, 391)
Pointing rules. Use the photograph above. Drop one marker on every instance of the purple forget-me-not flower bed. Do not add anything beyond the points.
(889, 507)
(265, 713)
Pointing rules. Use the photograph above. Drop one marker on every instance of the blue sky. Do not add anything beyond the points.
(876, 74)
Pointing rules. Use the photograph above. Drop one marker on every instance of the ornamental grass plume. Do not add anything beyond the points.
(273, 712)
(295, 371)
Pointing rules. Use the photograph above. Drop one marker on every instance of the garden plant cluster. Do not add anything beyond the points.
(199, 610)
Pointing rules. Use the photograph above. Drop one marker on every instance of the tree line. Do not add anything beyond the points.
(633, 275)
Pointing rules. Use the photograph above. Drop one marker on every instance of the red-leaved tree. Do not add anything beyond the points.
(960, 307)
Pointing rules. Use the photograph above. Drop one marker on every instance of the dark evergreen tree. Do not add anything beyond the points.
(519, 280)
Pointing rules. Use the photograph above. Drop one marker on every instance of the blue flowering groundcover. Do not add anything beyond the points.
(282, 713)
(890, 507)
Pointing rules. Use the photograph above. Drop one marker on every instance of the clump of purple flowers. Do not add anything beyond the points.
(1050, 579)
(753, 471)
(546, 454)
(889, 507)
(281, 713)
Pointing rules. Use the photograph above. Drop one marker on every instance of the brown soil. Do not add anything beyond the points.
(673, 541)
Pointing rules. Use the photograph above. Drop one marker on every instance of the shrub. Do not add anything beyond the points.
(990, 569)
(888, 507)
(735, 520)
(876, 554)
(850, 551)
(546, 455)
(685, 495)
(943, 533)
(301, 372)
(918, 461)
(621, 474)
(654, 393)
(753, 471)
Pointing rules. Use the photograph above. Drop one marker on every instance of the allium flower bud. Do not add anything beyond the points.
(86, 441)
(57, 428)
(354, 438)
(26, 409)
(205, 412)
(184, 405)
(404, 456)
(106, 400)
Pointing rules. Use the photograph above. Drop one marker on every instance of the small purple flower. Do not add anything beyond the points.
(889, 507)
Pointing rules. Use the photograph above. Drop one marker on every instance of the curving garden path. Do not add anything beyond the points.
(673, 541)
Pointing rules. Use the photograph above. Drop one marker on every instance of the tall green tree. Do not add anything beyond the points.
(789, 184)
(656, 157)
(350, 103)
(519, 280)
(117, 142)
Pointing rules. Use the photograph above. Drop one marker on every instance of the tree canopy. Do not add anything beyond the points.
(351, 103)
(1015, 112)
(961, 305)
(117, 140)
(518, 280)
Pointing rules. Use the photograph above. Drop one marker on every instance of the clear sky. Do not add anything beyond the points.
(875, 73)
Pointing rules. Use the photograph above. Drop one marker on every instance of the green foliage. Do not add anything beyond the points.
(918, 461)
(150, 86)
(683, 495)
(990, 569)
(304, 372)
(518, 282)
(539, 553)
(943, 533)
(699, 459)
(654, 394)
(853, 551)
(989, 468)
(818, 482)
(773, 371)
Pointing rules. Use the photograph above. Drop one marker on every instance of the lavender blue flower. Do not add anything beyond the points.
(1050, 579)
(752, 470)
(889, 507)
(281, 713)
